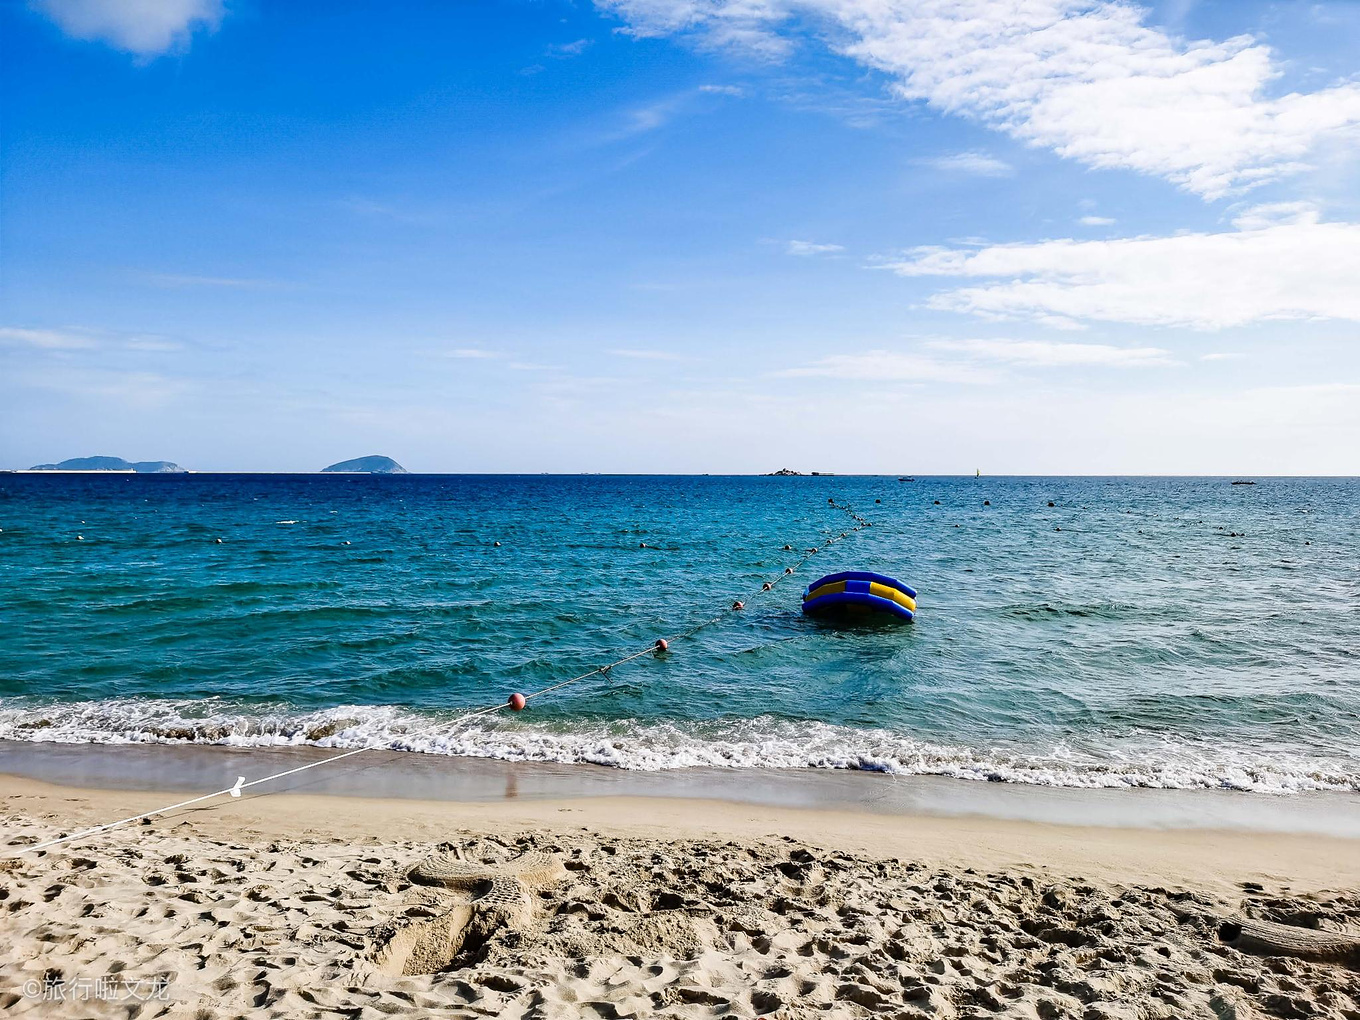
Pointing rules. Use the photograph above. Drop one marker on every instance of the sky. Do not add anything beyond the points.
(883, 236)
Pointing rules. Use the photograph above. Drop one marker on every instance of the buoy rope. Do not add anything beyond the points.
(656, 648)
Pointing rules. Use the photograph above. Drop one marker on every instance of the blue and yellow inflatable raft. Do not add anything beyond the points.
(859, 592)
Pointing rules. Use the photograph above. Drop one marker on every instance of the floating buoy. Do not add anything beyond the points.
(788, 570)
(830, 502)
(766, 586)
(1051, 503)
(345, 542)
(661, 645)
(642, 545)
(217, 541)
(986, 502)
(859, 591)
(937, 502)
(788, 548)
(739, 604)
(496, 545)
(80, 538)
(878, 501)
(516, 702)
(1060, 529)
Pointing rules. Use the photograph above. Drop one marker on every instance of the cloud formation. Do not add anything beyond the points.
(1281, 263)
(143, 27)
(46, 339)
(1086, 79)
(1056, 354)
(974, 164)
(809, 248)
(970, 361)
(880, 366)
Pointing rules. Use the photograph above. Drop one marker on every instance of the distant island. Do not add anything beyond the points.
(790, 473)
(155, 467)
(369, 465)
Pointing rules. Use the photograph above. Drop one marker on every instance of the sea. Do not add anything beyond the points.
(1081, 632)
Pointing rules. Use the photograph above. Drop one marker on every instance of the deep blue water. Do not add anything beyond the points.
(1143, 631)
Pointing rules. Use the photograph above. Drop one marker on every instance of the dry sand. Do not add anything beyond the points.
(302, 906)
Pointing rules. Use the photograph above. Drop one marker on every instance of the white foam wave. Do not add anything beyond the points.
(1135, 760)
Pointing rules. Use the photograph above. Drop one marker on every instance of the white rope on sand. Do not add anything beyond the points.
(657, 648)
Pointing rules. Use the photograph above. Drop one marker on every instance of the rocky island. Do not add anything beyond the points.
(368, 466)
(155, 467)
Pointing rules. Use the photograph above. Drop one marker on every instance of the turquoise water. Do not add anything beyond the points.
(1150, 632)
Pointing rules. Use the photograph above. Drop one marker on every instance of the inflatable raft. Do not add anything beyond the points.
(861, 593)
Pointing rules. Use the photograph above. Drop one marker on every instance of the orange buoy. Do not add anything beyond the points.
(739, 604)
(661, 645)
(516, 701)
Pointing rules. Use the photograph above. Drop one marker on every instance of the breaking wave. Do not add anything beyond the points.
(1133, 759)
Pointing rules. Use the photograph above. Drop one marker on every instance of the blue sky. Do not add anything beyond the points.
(683, 235)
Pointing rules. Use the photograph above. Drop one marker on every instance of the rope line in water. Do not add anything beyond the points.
(657, 648)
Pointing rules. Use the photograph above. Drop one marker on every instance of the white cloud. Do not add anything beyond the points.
(1258, 217)
(47, 339)
(571, 49)
(1221, 356)
(143, 27)
(1084, 78)
(975, 164)
(472, 353)
(1096, 221)
(888, 366)
(808, 248)
(1268, 269)
(1055, 354)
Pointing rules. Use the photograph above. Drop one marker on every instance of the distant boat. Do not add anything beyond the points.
(1244, 483)
(979, 473)
(905, 479)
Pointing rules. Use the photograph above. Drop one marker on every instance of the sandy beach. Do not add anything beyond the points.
(303, 904)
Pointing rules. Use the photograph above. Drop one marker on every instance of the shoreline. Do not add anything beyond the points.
(405, 775)
(1199, 838)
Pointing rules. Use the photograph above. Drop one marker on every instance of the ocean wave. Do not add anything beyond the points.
(1131, 760)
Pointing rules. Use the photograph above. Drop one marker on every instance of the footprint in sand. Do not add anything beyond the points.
(500, 899)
